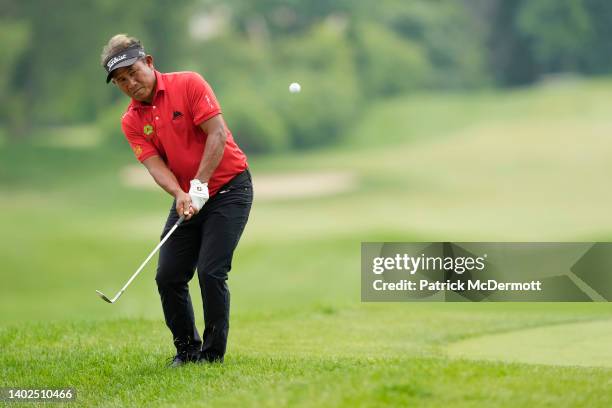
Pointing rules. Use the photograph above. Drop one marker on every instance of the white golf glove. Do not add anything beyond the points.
(198, 193)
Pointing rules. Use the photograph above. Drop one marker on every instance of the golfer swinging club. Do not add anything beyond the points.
(175, 128)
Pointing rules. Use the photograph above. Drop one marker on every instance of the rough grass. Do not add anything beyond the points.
(364, 356)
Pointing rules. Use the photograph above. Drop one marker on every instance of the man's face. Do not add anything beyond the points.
(138, 80)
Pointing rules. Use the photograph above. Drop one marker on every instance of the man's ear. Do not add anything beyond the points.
(149, 61)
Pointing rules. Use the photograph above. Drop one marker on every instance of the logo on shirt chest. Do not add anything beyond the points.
(147, 130)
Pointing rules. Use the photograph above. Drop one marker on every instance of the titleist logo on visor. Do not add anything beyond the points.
(130, 53)
(115, 60)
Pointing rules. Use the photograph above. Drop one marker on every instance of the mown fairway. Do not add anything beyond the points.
(521, 166)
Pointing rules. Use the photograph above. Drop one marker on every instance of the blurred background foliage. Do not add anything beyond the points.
(346, 54)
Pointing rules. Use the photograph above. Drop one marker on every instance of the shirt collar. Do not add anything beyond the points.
(160, 86)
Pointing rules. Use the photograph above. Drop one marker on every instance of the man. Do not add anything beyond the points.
(175, 127)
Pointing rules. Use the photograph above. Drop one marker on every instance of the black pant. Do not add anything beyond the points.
(207, 241)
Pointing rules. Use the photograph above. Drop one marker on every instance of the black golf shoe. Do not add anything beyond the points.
(182, 358)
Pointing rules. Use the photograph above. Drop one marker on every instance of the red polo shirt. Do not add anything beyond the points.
(169, 128)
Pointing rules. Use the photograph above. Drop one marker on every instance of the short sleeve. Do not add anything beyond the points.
(143, 149)
(202, 100)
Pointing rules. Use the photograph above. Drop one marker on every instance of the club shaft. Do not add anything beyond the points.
(180, 220)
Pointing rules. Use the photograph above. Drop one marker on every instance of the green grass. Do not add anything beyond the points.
(524, 165)
(575, 344)
(367, 355)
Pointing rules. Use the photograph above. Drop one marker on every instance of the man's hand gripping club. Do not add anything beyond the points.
(190, 204)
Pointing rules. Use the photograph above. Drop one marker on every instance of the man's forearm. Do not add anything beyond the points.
(162, 175)
(213, 152)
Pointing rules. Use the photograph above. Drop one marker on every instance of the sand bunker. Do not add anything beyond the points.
(267, 186)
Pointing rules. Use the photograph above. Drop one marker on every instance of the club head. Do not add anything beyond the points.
(103, 296)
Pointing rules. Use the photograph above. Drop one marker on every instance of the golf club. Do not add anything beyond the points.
(113, 300)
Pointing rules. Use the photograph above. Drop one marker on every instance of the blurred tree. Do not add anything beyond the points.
(251, 76)
(509, 53)
(225, 58)
(14, 39)
(559, 33)
(450, 36)
(598, 58)
(323, 61)
(57, 73)
(255, 124)
(286, 16)
(389, 65)
(339, 50)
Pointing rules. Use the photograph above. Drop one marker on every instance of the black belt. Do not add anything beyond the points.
(239, 178)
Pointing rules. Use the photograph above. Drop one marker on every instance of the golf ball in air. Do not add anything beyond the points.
(295, 87)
